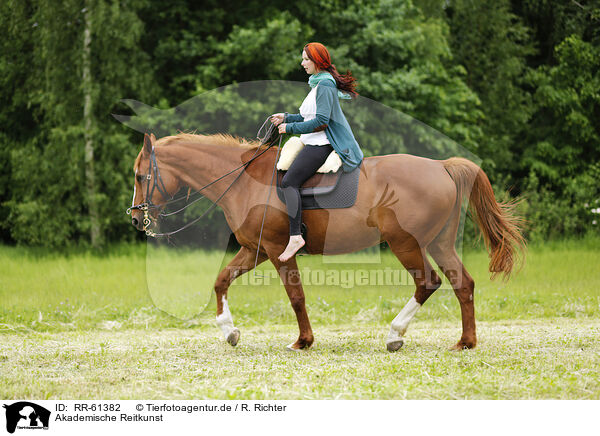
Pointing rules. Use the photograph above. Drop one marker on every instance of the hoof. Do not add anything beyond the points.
(395, 345)
(296, 347)
(233, 337)
(292, 348)
(462, 346)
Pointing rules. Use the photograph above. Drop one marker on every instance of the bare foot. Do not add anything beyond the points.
(296, 242)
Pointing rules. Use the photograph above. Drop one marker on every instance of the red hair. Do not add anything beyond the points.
(319, 54)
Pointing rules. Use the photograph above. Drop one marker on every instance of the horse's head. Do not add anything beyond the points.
(154, 185)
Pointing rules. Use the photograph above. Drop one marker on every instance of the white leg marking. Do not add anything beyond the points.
(224, 320)
(400, 323)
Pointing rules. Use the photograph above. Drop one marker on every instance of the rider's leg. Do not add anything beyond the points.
(306, 164)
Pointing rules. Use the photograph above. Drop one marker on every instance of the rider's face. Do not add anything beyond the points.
(308, 65)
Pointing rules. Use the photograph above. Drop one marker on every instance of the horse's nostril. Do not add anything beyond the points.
(134, 221)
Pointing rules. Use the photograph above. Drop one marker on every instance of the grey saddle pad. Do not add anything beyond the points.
(326, 191)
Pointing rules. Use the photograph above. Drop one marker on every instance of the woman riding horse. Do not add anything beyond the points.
(412, 203)
(323, 128)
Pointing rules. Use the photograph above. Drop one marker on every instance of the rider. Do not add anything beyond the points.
(323, 128)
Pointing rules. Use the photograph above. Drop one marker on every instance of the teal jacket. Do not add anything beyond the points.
(329, 117)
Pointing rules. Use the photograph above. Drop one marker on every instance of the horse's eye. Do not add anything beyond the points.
(139, 178)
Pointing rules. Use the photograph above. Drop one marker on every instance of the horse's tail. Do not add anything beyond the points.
(498, 221)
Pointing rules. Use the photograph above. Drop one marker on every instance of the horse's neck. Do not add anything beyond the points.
(200, 165)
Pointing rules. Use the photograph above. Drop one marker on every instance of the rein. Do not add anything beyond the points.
(269, 138)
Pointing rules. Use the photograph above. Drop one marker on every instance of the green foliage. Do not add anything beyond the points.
(567, 102)
(403, 60)
(247, 53)
(492, 44)
(551, 21)
(46, 196)
(553, 216)
(565, 136)
(47, 202)
(514, 82)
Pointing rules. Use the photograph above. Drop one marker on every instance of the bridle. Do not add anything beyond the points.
(158, 184)
(270, 137)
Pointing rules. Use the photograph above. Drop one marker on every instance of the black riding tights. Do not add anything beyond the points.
(306, 164)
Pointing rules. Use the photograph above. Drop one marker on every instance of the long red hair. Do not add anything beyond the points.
(319, 54)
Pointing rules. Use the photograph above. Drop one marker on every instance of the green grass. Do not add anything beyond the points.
(83, 291)
(93, 320)
(523, 359)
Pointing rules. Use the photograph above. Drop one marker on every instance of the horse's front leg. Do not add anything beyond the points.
(290, 276)
(240, 264)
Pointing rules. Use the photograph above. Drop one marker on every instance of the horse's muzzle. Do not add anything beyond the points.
(137, 223)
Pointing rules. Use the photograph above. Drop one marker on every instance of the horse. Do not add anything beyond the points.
(412, 203)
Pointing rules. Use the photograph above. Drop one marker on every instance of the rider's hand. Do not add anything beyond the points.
(282, 128)
(277, 119)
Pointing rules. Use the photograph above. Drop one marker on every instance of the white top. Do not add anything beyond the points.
(308, 110)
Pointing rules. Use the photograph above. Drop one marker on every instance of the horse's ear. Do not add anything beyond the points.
(152, 138)
(147, 149)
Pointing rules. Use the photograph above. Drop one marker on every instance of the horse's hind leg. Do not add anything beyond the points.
(446, 257)
(240, 264)
(443, 252)
(413, 257)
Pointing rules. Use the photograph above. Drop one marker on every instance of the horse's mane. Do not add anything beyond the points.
(217, 139)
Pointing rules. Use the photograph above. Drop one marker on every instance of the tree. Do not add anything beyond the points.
(55, 183)
(88, 120)
(565, 137)
(17, 114)
(493, 45)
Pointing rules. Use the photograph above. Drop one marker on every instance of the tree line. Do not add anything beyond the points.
(517, 83)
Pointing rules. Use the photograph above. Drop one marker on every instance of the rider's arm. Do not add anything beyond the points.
(292, 118)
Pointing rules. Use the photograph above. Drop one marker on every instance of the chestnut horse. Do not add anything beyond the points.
(412, 203)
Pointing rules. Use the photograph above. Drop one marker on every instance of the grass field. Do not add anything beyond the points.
(87, 326)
